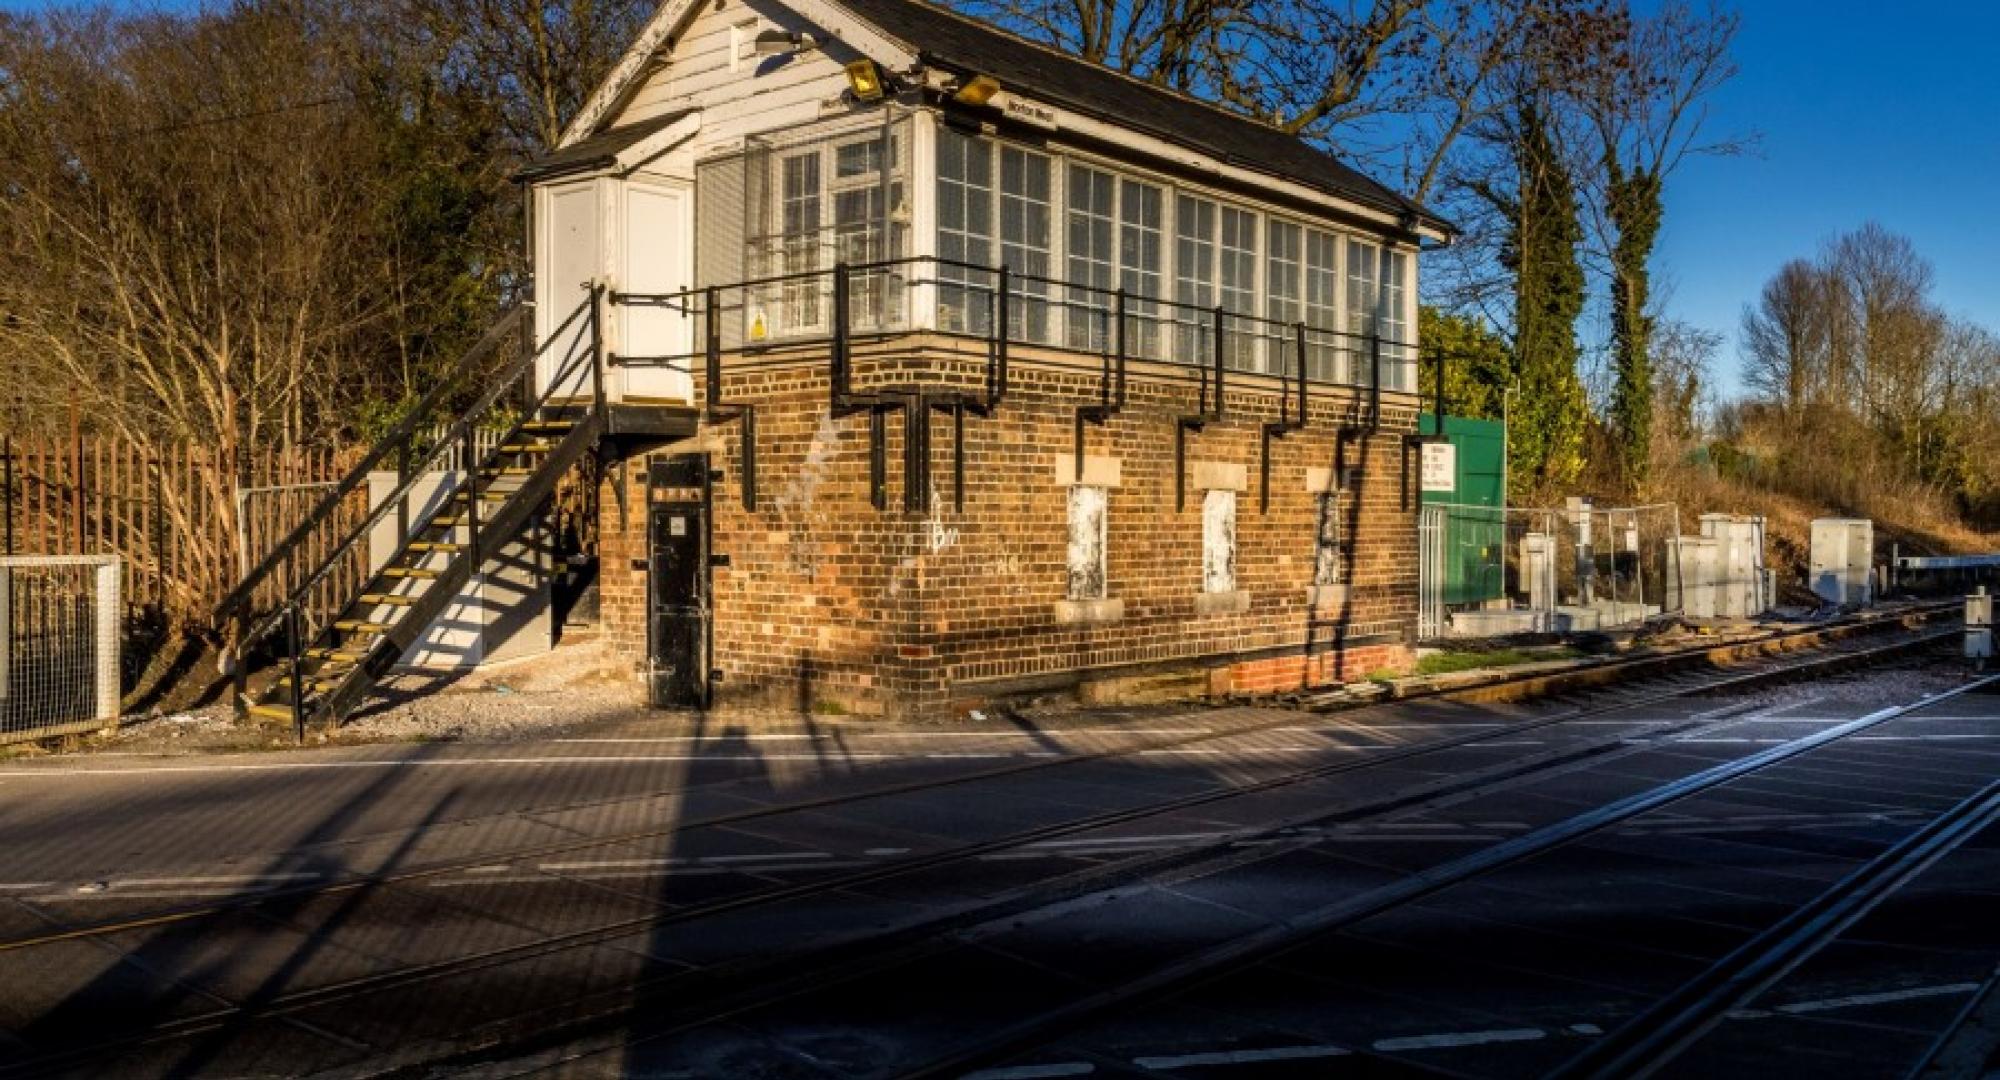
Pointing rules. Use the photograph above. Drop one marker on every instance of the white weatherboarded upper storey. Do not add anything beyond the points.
(699, 54)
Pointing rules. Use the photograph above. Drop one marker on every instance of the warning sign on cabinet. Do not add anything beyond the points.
(1440, 467)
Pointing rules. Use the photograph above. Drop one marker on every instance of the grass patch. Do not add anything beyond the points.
(1445, 663)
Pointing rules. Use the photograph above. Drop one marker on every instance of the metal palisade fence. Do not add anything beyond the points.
(181, 517)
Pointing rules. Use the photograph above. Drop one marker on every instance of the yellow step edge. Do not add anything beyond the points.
(360, 626)
(413, 573)
(435, 545)
(527, 448)
(272, 712)
(391, 599)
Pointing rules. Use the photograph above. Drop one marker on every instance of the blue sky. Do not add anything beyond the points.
(1866, 111)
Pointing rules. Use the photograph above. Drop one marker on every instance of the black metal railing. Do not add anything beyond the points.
(1000, 307)
(998, 303)
(420, 442)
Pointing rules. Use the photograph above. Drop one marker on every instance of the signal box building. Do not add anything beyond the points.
(942, 367)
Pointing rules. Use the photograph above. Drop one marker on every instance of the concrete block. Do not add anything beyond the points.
(1234, 602)
(1104, 472)
(1220, 476)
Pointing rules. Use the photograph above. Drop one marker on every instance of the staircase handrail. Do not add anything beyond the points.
(235, 603)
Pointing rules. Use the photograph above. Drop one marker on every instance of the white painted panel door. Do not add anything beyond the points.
(570, 257)
(657, 245)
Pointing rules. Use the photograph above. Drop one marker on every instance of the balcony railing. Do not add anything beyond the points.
(958, 298)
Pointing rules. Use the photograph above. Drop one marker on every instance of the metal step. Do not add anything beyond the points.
(435, 545)
(331, 652)
(391, 599)
(547, 426)
(269, 711)
(537, 447)
(485, 496)
(360, 626)
(415, 573)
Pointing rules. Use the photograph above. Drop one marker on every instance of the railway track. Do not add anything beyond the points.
(1648, 1042)
(1684, 685)
(1685, 666)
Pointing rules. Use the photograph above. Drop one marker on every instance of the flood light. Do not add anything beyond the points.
(865, 79)
(978, 91)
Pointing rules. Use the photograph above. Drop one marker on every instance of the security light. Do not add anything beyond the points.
(865, 79)
(978, 91)
(774, 42)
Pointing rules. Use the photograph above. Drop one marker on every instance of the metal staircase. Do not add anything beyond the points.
(340, 639)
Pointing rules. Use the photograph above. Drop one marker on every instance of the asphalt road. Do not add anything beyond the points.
(841, 903)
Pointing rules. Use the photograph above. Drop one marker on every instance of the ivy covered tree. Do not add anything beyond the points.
(1545, 435)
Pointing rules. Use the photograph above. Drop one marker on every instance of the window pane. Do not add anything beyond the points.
(799, 240)
(965, 232)
(1399, 363)
(1282, 281)
(1362, 298)
(1140, 212)
(1025, 216)
(1239, 286)
(1322, 299)
(1194, 277)
(1091, 198)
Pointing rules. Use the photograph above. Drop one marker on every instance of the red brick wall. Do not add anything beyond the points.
(829, 600)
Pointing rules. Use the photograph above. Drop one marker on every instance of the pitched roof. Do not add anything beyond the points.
(597, 151)
(949, 40)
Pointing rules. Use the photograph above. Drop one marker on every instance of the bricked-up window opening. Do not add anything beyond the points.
(1326, 541)
(1087, 577)
(1218, 541)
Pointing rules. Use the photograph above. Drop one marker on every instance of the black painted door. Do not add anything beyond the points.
(677, 603)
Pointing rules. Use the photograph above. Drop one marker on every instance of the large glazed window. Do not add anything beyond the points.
(1141, 210)
(1027, 204)
(1092, 197)
(1238, 256)
(1283, 278)
(1323, 346)
(799, 239)
(965, 232)
(1194, 277)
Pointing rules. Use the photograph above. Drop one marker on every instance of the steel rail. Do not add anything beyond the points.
(1262, 945)
(765, 981)
(1038, 892)
(184, 913)
(1654, 1038)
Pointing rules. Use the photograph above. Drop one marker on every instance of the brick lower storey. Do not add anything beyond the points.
(827, 603)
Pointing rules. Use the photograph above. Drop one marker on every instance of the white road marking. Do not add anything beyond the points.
(730, 737)
(1033, 1072)
(879, 851)
(23, 886)
(1510, 742)
(1922, 738)
(434, 763)
(990, 755)
(231, 879)
(1154, 838)
(1449, 1039)
(1883, 998)
(1240, 1057)
(718, 860)
(1363, 729)
(1585, 1029)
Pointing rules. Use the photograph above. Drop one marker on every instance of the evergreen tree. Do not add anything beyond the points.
(1545, 433)
(1632, 201)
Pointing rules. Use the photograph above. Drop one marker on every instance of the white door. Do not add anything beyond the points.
(660, 335)
(568, 257)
